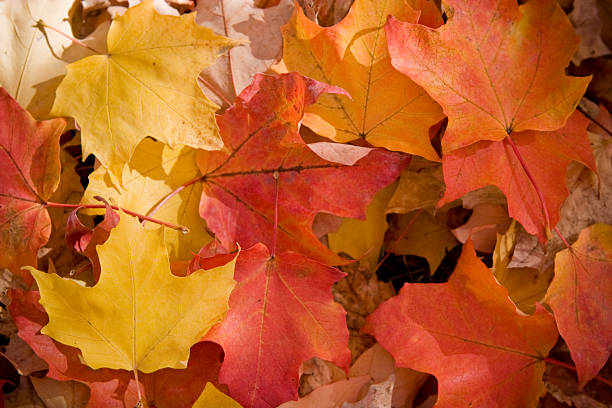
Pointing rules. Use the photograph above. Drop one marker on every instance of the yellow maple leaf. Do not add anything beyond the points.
(152, 174)
(144, 86)
(138, 316)
(387, 108)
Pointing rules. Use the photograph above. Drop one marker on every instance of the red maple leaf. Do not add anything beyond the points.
(29, 174)
(544, 157)
(579, 296)
(469, 334)
(494, 67)
(268, 185)
(280, 313)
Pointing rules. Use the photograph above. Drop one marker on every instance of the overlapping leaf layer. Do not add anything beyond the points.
(212, 278)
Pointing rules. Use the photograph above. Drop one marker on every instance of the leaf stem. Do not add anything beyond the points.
(518, 155)
(595, 121)
(181, 228)
(172, 194)
(140, 401)
(556, 362)
(41, 25)
(276, 176)
(214, 90)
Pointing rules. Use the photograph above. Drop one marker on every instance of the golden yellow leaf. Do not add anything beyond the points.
(387, 108)
(145, 86)
(362, 239)
(152, 174)
(138, 316)
(526, 286)
(211, 397)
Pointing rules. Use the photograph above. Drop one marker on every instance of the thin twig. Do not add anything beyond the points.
(214, 90)
(180, 228)
(172, 194)
(595, 121)
(41, 24)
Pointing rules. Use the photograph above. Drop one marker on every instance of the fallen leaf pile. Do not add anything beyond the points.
(356, 204)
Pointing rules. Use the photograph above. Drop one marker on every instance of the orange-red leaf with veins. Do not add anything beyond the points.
(469, 334)
(281, 313)
(85, 240)
(266, 163)
(167, 387)
(494, 67)
(29, 174)
(546, 155)
(580, 297)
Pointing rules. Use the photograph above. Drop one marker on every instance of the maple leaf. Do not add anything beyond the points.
(160, 182)
(468, 333)
(495, 67)
(286, 293)
(29, 174)
(145, 86)
(152, 327)
(269, 170)
(387, 109)
(114, 388)
(579, 296)
(30, 68)
(545, 154)
(241, 20)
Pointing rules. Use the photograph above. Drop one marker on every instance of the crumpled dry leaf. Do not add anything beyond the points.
(61, 394)
(24, 396)
(360, 293)
(378, 396)
(316, 373)
(23, 357)
(588, 25)
(258, 28)
(332, 395)
(380, 365)
(29, 70)
(526, 286)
